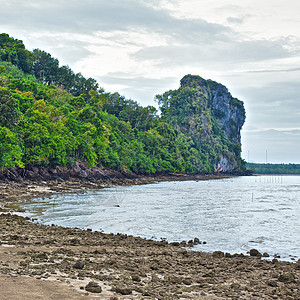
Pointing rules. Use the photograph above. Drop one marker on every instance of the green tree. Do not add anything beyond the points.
(10, 150)
(9, 114)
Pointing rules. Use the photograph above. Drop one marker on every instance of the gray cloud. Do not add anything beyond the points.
(216, 52)
(143, 86)
(276, 105)
(90, 16)
(274, 71)
(69, 51)
(235, 20)
(282, 146)
(189, 41)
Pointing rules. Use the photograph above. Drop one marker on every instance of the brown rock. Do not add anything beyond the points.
(136, 278)
(123, 290)
(218, 254)
(196, 241)
(286, 277)
(272, 283)
(255, 252)
(78, 265)
(93, 287)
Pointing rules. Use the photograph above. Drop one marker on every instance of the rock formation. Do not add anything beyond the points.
(207, 111)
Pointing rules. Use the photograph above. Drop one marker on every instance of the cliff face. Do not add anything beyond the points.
(228, 111)
(207, 111)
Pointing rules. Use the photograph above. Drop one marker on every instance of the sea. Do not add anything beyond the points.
(232, 215)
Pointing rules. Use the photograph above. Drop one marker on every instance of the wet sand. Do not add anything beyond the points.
(52, 262)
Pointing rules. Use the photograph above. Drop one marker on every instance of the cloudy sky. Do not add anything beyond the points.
(142, 48)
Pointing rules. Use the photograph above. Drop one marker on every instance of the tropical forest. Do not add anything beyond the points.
(51, 116)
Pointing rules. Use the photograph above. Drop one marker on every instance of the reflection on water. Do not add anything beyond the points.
(232, 215)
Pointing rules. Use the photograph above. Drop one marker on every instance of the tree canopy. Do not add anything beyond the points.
(50, 116)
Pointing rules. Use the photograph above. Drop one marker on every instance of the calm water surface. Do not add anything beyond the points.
(232, 215)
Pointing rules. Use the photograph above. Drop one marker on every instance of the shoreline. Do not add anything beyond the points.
(26, 190)
(121, 266)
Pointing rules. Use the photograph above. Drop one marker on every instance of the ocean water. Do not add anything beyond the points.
(232, 215)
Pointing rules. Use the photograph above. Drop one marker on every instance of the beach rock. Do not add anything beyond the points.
(174, 279)
(272, 283)
(176, 244)
(187, 281)
(255, 252)
(78, 265)
(42, 256)
(123, 290)
(93, 287)
(218, 254)
(265, 254)
(183, 244)
(136, 278)
(286, 277)
(235, 286)
(196, 241)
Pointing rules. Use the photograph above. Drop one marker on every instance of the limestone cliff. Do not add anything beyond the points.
(207, 111)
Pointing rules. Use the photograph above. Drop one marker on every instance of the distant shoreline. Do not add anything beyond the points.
(274, 169)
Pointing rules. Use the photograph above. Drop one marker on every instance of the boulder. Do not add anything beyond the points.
(93, 287)
(255, 252)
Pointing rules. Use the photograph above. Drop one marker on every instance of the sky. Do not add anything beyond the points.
(142, 48)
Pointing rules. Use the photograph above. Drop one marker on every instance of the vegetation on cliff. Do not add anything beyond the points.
(206, 111)
(50, 116)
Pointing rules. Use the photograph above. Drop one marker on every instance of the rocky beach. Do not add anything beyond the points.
(52, 262)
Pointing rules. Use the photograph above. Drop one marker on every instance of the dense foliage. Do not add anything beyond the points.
(50, 116)
(190, 110)
(274, 168)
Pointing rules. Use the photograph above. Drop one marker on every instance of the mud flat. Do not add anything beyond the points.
(53, 262)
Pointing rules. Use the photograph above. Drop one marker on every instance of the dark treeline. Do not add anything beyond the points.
(51, 116)
(274, 168)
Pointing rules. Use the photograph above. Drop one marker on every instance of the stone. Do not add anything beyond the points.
(286, 277)
(93, 287)
(176, 244)
(136, 278)
(123, 290)
(218, 254)
(255, 252)
(272, 283)
(78, 265)
(196, 241)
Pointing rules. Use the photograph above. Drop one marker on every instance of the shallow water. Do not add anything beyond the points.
(231, 215)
